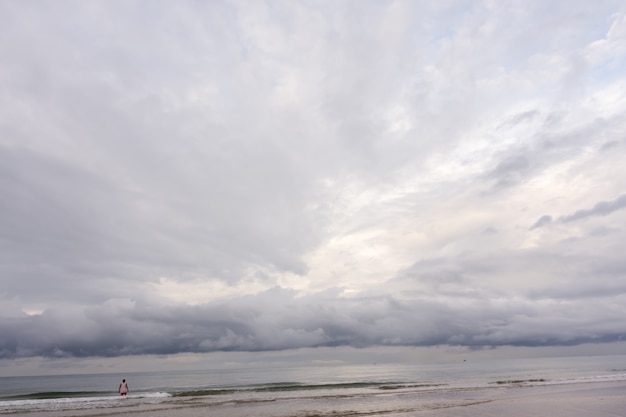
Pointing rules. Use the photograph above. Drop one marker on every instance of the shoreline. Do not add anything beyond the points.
(601, 398)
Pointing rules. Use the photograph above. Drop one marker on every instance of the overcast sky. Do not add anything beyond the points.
(199, 176)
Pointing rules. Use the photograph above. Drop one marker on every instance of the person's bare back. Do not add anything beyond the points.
(123, 388)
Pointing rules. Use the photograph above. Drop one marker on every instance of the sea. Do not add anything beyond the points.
(59, 393)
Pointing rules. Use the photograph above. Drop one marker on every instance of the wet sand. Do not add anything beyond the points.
(597, 399)
(572, 400)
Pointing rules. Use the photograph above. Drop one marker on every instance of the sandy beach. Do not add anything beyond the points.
(596, 399)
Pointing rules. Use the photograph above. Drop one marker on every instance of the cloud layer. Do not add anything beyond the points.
(260, 176)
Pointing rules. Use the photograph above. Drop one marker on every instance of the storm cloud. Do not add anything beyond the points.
(231, 176)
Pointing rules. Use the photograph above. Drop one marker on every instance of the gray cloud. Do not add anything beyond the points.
(510, 172)
(602, 208)
(542, 221)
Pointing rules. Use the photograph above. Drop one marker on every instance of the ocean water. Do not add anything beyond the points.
(315, 383)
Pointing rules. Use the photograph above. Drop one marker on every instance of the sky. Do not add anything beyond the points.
(181, 178)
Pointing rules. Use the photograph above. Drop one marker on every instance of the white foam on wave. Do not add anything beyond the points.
(151, 395)
(592, 378)
(73, 403)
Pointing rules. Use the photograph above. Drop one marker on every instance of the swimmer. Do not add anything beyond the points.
(123, 388)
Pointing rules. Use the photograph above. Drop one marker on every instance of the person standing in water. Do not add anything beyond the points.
(123, 388)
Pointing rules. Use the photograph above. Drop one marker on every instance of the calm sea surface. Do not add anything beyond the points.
(75, 392)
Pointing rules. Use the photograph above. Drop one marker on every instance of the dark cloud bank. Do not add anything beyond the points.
(276, 320)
